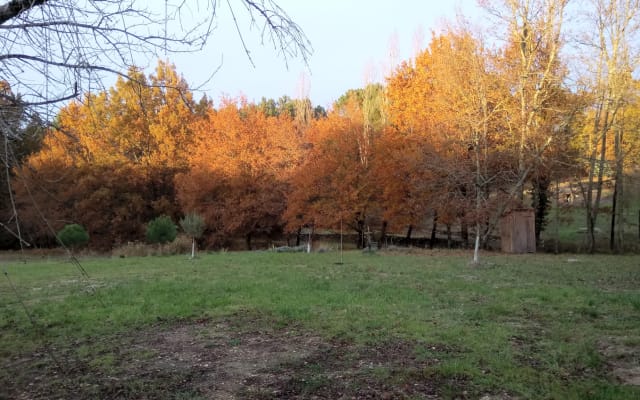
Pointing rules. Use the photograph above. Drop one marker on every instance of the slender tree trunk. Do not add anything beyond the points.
(556, 235)
(540, 204)
(621, 207)
(524, 133)
(248, 241)
(617, 209)
(600, 127)
(614, 197)
(614, 203)
(409, 230)
(476, 247)
(448, 236)
(599, 185)
(479, 187)
(310, 238)
(383, 234)
(298, 234)
(591, 238)
(587, 195)
(193, 247)
(464, 232)
(360, 229)
(434, 227)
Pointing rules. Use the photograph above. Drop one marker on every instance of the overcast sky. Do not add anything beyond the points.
(351, 40)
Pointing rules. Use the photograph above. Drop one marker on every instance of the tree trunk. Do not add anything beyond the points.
(360, 229)
(298, 234)
(617, 228)
(476, 247)
(434, 227)
(248, 241)
(596, 205)
(193, 247)
(557, 220)
(599, 135)
(383, 234)
(448, 236)
(612, 233)
(540, 204)
(409, 230)
(464, 233)
(591, 236)
(592, 206)
(620, 219)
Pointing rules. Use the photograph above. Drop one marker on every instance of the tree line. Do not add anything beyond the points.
(456, 136)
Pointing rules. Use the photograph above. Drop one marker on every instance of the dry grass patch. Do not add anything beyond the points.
(235, 358)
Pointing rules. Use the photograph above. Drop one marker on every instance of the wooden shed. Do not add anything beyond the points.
(518, 231)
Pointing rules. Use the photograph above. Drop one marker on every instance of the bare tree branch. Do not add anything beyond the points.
(50, 50)
(14, 8)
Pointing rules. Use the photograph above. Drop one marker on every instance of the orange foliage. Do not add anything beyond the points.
(141, 121)
(110, 164)
(238, 169)
(333, 185)
(426, 164)
(402, 175)
(436, 141)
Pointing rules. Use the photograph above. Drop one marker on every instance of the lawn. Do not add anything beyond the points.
(265, 325)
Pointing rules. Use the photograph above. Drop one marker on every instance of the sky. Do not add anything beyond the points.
(352, 44)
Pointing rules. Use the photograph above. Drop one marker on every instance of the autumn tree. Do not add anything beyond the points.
(469, 88)
(21, 135)
(405, 182)
(449, 102)
(193, 225)
(401, 174)
(532, 64)
(110, 162)
(238, 171)
(142, 120)
(112, 201)
(55, 51)
(613, 56)
(333, 186)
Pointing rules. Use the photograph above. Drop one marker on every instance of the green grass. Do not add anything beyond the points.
(531, 326)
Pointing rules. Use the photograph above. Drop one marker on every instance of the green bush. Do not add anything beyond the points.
(161, 230)
(73, 236)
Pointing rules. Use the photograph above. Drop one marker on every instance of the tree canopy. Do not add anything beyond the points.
(454, 138)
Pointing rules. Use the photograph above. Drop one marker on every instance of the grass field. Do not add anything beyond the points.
(265, 325)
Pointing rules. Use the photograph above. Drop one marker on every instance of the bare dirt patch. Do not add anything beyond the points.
(237, 358)
(622, 358)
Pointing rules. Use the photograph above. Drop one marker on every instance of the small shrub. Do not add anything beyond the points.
(161, 230)
(73, 236)
(193, 225)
